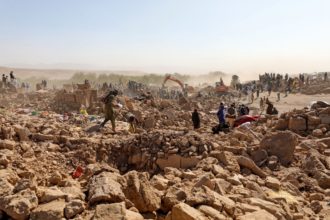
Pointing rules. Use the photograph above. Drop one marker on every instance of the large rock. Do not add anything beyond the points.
(257, 215)
(200, 196)
(177, 161)
(174, 195)
(19, 206)
(211, 212)
(105, 188)
(6, 188)
(259, 157)
(23, 184)
(23, 133)
(183, 211)
(149, 122)
(141, 193)
(7, 144)
(323, 179)
(282, 124)
(297, 124)
(273, 208)
(281, 144)
(8, 179)
(159, 182)
(115, 211)
(130, 215)
(49, 211)
(229, 160)
(73, 190)
(74, 208)
(173, 160)
(46, 194)
(248, 163)
(325, 116)
(273, 183)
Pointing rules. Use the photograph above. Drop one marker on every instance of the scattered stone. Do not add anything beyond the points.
(183, 211)
(114, 211)
(248, 163)
(19, 206)
(141, 193)
(49, 211)
(273, 183)
(257, 215)
(74, 208)
(105, 188)
(229, 160)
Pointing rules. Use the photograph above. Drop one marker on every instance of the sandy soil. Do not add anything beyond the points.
(292, 101)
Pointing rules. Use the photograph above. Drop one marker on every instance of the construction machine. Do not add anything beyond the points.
(221, 88)
(184, 87)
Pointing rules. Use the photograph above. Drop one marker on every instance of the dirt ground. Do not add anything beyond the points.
(292, 101)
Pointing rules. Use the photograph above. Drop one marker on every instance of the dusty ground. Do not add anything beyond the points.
(275, 169)
(292, 101)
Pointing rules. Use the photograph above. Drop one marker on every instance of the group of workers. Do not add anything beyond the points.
(226, 115)
(6, 81)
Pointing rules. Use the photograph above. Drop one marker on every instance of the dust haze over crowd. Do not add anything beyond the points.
(164, 110)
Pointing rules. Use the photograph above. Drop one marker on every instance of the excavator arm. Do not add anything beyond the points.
(169, 77)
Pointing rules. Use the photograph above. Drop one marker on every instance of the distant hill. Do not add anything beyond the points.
(59, 74)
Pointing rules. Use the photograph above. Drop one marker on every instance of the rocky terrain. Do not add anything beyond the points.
(52, 168)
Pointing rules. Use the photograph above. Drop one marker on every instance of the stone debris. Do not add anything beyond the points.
(277, 168)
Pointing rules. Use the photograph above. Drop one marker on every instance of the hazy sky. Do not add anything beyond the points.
(235, 36)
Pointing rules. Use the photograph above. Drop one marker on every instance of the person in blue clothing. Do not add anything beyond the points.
(221, 114)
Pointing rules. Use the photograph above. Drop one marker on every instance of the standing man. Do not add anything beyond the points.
(4, 80)
(195, 119)
(221, 114)
(109, 111)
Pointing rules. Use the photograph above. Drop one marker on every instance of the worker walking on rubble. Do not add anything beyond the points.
(195, 119)
(109, 111)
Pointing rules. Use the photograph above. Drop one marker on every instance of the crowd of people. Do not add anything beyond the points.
(8, 80)
(228, 116)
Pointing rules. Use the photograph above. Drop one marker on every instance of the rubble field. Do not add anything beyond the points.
(55, 167)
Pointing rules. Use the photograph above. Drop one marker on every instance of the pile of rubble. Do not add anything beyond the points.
(52, 169)
(319, 88)
(315, 122)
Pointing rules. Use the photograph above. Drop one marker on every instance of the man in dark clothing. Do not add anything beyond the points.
(244, 110)
(221, 114)
(231, 115)
(11, 74)
(270, 107)
(325, 76)
(195, 119)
